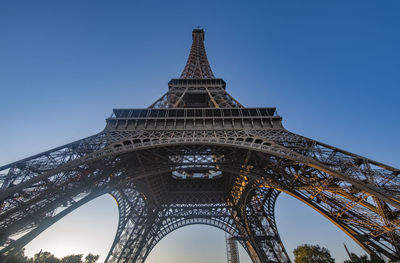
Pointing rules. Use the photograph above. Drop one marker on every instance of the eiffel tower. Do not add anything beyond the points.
(198, 156)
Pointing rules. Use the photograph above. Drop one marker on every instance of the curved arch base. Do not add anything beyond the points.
(142, 226)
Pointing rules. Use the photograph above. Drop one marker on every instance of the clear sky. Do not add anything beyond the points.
(330, 67)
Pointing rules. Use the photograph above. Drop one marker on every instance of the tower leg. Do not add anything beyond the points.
(259, 221)
(10, 247)
(133, 222)
(232, 252)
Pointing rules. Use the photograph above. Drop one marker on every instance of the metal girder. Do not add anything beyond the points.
(197, 66)
(135, 241)
(197, 156)
(351, 206)
(232, 253)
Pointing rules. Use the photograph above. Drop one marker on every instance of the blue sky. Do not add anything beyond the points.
(330, 67)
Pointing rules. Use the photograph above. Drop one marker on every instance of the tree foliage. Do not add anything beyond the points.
(47, 257)
(357, 259)
(363, 259)
(18, 257)
(72, 259)
(312, 254)
(90, 258)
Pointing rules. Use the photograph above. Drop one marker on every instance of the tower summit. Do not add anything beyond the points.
(197, 87)
(197, 156)
(197, 66)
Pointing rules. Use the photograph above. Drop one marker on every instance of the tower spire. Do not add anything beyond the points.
(197, 66)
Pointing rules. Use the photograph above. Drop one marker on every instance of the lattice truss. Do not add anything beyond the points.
(197, 66)
(359, 195)
(217, 97)
(197, 156)
(232, 252)
(134, 242)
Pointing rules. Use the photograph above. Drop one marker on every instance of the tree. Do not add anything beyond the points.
(72, 259)
(356, 259)
(19, 257)
(90, 258)
(363, 259)
(312, 254)
(45, 257)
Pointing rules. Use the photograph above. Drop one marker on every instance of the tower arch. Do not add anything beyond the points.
(196, 154)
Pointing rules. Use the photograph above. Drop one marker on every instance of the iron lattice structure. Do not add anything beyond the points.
(197, 156)
(232, 253)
